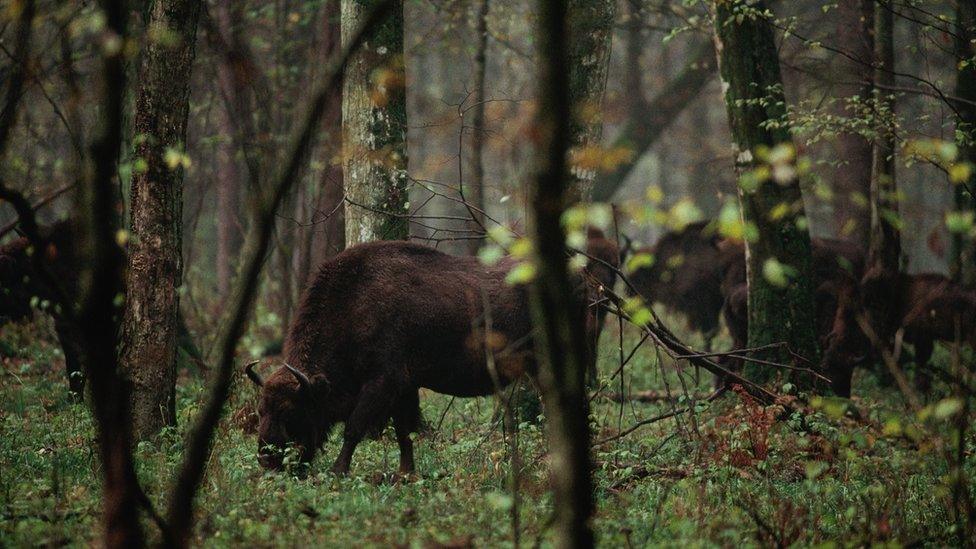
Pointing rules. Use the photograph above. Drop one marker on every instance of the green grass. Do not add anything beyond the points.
(707, 480)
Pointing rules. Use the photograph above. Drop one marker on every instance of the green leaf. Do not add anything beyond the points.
(523, 273)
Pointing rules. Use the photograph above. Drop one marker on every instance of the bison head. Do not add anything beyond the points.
(287, 416)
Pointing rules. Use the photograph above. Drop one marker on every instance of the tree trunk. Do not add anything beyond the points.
(561, 344)
(228, 231)
(641, 133)
(851, 177)
(374, 118)
(878, 287)
(749, 66)
(475, 189)
(99, 311)
(591, 30)
(154, 270)
(964, 246)
(331, 201)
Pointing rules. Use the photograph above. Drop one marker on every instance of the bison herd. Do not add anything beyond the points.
(382, 320)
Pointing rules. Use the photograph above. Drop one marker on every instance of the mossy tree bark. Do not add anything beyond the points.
(963, 264)
(750, 72)
(374, 119)
(561, 344)
(154, 269)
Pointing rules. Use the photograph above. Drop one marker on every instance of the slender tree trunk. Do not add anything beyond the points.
(154, 271)
(475, 184)
(99, 311)
(561, 343)
(851, 178)
(749, 66)
(591, 30)
(228, 176)
(332, 181)
(878, 287)
(374, 119)
(964, 246)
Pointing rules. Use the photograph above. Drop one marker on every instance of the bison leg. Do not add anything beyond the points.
(406, 420)
(923, 352)
(371, 412)
(72, 356)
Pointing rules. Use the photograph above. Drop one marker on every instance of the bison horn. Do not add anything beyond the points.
(303, 380)
(252, 375)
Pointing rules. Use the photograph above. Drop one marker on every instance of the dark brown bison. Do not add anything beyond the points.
(841, 341)
(23, 292)
(22, 289)
(694, 271)
(933, 308)
(377, 323)
(686, 276)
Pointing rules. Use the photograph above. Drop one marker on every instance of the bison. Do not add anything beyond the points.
(378, 322)
(933, 308)
(836, 295)
(23, 290)
(694, 272)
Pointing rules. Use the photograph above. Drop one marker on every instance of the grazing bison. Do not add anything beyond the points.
(377, 323)
(694, 271)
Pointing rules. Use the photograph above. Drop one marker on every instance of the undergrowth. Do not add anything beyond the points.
(733, 473)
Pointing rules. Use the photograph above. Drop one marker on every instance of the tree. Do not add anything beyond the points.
(781, 306)
(884, 247)
(963, 264)
(227, 15)
(475, 185)
(374, 120)
(561, 345)
(591, 29)
(851, 176)
(154, 271)
(639, 134)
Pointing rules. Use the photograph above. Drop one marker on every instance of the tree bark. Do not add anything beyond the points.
(851, 177)
(641, 133)
(590, 30)
(374, 119)
(963, 265)
(155, 266)
(475, 187)
(749, 67)
(227, 16)
(879, 284)
(561, 344)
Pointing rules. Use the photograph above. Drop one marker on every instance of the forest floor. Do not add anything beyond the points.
(726, 475)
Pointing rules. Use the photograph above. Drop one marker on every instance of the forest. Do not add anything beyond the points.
(488, 273)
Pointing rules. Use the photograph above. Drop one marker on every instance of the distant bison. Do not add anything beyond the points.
(378, 322)
(22, 289)
(840, 340)
(933, 308)
(694, 271)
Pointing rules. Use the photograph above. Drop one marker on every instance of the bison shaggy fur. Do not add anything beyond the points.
(377, 323)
